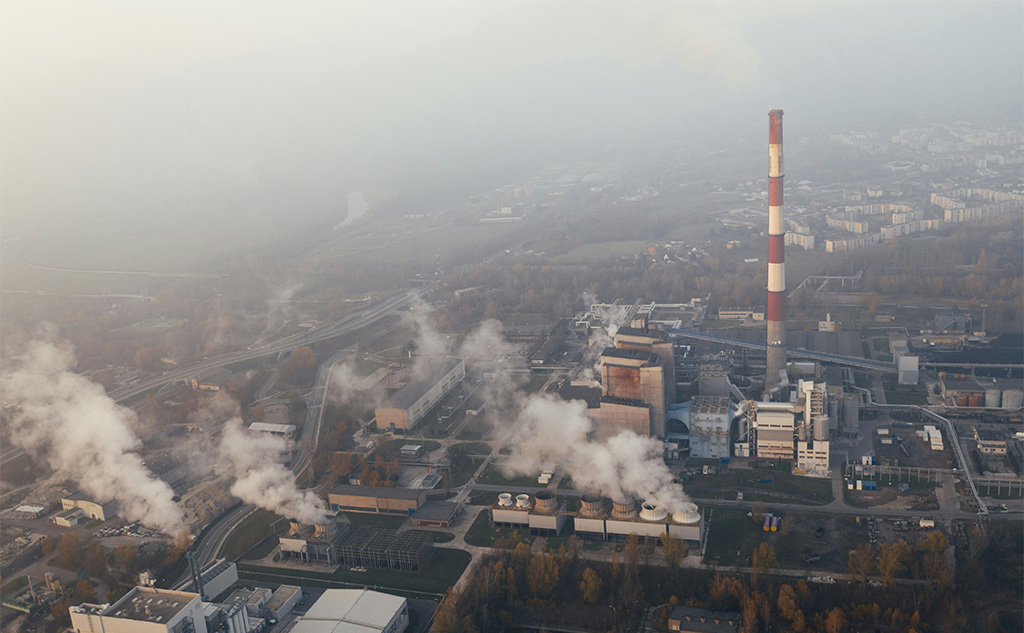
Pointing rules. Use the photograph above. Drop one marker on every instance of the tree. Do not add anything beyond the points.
(674, 550)
(84, 591)
(542, 575)
(935, 564)
(764, 560)
(892, 559)
(836, 621)
(591, 585)
(446, 616)
(860, 562)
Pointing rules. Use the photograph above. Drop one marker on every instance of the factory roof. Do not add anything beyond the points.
(413, 391)
(636, 331)
(283, 594)
(341, 610)
(208, 573)
(592, 395)
(614, 352)
(989, 435)
(436, 511)
(265, 427)
(376, 491)
(78, 495)
(627, 402)
(709, 404)
(148, 604)
(702, 620)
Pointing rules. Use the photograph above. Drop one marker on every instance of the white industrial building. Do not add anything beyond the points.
(601, 518)
(797, 430)
(142, 610)
(215, 578)
(543, 515)
(354, 611)
(704, 424)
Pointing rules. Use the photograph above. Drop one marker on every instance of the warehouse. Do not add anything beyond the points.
(355, 610)
(437, 514)
(93, 510)
(407, 406)
(375, 499)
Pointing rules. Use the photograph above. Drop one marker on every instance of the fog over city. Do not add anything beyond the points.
(585, 315)
(256, 119)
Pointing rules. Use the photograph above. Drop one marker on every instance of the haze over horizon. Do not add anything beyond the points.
(201, 121)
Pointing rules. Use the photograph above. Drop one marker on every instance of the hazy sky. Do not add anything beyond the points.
(184, 106)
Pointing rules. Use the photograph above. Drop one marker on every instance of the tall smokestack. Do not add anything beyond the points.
(776, 255)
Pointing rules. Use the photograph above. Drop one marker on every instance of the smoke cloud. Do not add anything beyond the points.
(253, 460)
(550, 433)
(71, 423)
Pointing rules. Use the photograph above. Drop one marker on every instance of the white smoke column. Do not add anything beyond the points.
(431, 344)
(486, 348)
(550, 432)
(253, 460)
(72, 424)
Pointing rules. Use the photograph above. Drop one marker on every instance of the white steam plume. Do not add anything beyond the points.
(487, 348)
(84, 435)
(253, 460)
(550, 432)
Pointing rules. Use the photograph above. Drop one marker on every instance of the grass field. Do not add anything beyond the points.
(493, 476)
(255, 528)
(729, 527)
(765, 485)
(443, 571)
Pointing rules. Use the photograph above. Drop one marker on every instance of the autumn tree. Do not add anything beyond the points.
(542, 575)
(674, 550)
(935, 563)
(860, 562)
(764, 560)
(836, 621)
(591, 585)
(892, 559)
(84, 591)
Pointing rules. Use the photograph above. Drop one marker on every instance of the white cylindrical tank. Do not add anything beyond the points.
(650, 512)
(522, 501)
(820, 428)
(688, 515)
(992, 398)
(1013, 398)
(505, 499)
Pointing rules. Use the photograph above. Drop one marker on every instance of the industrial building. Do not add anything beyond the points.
(91, 509)
(283, 601)
(798, 431)
(375, 499)
(704, 424)
(215, 579)
(408, 405)
(607, 520)
(437, 514)
(355, 611)
(906, 363)
(544, 515)
(386, 549)
(971, 391)
(286, 431)
(142, 610)
(990, 441)
(313, 543)
(631, 374)
(694, 620)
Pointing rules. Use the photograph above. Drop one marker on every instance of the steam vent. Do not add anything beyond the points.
(605, 519)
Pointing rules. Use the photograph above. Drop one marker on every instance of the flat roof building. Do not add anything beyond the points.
(142, 610)
(355, 611)
(407, 406)
(92, 509)
(375, 499)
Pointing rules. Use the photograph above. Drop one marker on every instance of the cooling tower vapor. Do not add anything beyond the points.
(551, 432)
(253, 460)
(72, 424)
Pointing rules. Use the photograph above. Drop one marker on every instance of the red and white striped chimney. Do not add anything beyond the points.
(776, 255)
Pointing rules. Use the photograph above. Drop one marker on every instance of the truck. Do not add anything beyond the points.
(926, 523)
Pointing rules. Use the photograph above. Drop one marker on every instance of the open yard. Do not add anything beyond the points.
(760, 485)
(493, 476)
(483, 534)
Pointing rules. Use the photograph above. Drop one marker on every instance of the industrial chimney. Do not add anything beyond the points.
(776, 256)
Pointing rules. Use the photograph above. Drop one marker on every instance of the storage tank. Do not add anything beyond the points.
(624, 509)
(688, 515)
(504, 499)
(962, 400)
(1013, 398)
(650, 512)
(775, 523)
(851, 414)
(591, 505)
(767, 522)
(976, 400)
(820, 428)
(523, 501)
(833, 409)
(992, 398)
(546, 501)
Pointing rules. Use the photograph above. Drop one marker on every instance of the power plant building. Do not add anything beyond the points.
(600, 518)
(313, 543)
(142, 610)
(355, 611)
(638, 375)
(375, 499)
(798, 431)
(91, 509)
(407, 406)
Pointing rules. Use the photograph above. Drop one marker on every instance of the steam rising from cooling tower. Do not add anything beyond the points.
(71, 423)
(253, 461)
(776, 363)
(551, 432)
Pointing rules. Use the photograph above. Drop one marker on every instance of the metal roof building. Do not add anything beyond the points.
(355, 611)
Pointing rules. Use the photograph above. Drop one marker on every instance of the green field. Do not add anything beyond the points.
(492, 476)
(729, 528)
(784, 486)
(254, 529)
